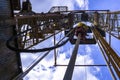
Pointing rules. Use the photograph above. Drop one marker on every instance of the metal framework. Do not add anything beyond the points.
(33, 29)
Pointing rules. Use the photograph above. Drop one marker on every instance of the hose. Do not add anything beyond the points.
(35, 50)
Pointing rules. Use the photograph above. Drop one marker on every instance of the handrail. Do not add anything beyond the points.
(111, 55)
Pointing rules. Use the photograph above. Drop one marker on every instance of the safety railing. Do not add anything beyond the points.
(109, 54)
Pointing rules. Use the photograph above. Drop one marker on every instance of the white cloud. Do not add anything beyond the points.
(59, 73)
(83, 4)
(91, 77)
(44, 6)
(88, 49)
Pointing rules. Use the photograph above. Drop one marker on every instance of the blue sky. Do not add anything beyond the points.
(87, 54)
(104, 4)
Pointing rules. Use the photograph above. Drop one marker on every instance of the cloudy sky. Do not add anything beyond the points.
(87, 54)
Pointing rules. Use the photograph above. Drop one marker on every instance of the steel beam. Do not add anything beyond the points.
(70, 68)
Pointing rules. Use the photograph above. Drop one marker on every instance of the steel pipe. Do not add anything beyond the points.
(70, 68)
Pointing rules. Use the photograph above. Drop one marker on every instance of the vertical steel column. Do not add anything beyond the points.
(69, 71)
(55, 57)
(109, 29)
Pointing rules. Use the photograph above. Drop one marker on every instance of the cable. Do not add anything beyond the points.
(37, 50)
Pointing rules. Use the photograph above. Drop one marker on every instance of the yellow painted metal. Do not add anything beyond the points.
(111, 55)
